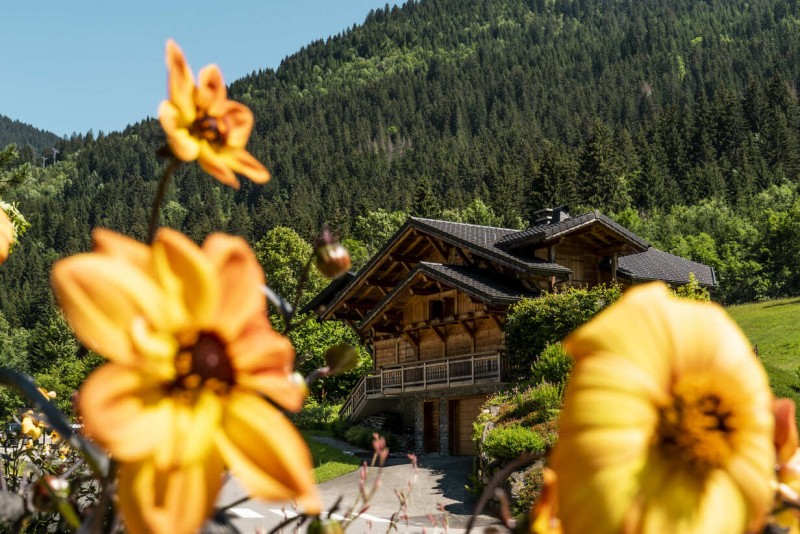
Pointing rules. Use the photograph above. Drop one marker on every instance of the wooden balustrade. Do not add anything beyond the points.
(424, 375)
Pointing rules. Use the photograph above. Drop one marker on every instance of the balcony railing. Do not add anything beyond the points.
(425, 375)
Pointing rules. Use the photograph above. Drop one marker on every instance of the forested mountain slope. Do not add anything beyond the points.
(641, 107)
(21, 134)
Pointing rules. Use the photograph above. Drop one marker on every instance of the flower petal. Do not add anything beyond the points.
(169, 501)
(645, 339)
(6, 235)
(125, 411)
(216, 165)
(241, 278)
(266, 453)
(237, 123)
(121, 247)
(211, 93)
(101, 297)
(786, 441)
(243, 163)
(692, 504)
(180, 83)
(264, 360)
(192, 428)
(200, 290)
(183, 144)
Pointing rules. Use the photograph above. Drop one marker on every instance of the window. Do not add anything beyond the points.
(441, 309)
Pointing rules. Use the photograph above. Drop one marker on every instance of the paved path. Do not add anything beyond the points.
(434, 490)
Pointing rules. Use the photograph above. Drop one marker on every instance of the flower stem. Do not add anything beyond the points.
(162, 191)
(298, 295)
(98, 461)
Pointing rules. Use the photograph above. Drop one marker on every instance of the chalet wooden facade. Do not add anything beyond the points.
(432, 303)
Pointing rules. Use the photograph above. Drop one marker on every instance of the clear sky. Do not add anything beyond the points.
(74, 65)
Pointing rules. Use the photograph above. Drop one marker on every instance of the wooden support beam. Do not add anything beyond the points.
(470, 330)
(441, 335)
(359, 306)
(380, 282)
(439, 248)
(614, 265)
(424, 292)
(497, 319)
(403, 258)
(413, 339)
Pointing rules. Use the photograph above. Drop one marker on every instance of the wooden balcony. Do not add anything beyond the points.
(422, 376)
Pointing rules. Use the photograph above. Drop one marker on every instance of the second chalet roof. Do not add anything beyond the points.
(470, 280)
(547, 231)
(655, 264)
(483, 240)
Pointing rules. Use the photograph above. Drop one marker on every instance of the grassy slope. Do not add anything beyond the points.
(328, 462)
(774, 327)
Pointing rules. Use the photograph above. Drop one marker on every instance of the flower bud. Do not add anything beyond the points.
(325, 526)
(341, 358)
(331, 258)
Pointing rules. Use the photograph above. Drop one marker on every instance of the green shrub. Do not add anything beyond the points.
(531, 489)
(552, 366)
(536, 404)
(316, 416)
(532, 324)
(507, 443)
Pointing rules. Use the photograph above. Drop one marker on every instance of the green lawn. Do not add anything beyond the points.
(774, 328)
(328, 462)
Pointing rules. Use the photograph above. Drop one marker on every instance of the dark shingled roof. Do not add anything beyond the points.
(545, 232)
(473, 281)
(654, 264)
(482, 240)
(325, 296)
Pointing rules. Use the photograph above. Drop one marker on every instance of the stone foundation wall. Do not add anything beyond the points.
(411, 408)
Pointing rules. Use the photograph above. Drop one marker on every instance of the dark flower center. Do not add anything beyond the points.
(698, 427)
(208, 128)
(204, 364)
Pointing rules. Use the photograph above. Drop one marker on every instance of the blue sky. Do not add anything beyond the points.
(71, 66)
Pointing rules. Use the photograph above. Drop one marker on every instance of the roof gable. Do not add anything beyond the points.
(655, 264)
(477, 284)
(543, 233)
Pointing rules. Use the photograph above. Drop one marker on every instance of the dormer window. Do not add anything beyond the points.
(442, 308)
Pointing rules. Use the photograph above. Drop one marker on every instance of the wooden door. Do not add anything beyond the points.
(463, 413)
(430, 426)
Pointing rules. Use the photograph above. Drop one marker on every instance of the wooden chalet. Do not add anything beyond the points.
(431, 306)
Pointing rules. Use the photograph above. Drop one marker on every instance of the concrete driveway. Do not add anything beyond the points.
(435, 493)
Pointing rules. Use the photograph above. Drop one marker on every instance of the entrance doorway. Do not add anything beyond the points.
(430, 426)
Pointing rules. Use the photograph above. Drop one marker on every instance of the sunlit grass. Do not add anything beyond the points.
(329, 463)
(774, 328)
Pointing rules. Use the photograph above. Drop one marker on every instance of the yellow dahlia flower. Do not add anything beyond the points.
(667, 423)
(191, 353)
(202, 124)
(31, 426)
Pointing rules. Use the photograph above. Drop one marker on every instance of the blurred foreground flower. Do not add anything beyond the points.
(786, 446)
(191, 352)
(667, 423)
(31, 425)
(202, 124)
(6, 235)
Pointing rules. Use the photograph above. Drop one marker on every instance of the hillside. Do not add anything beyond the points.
(21, 134)
(681, 117)
(772, 327)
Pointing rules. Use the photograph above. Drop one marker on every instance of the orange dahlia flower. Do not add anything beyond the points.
(202, 124)
(667, 424)
(191, 353)
(6, 235)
